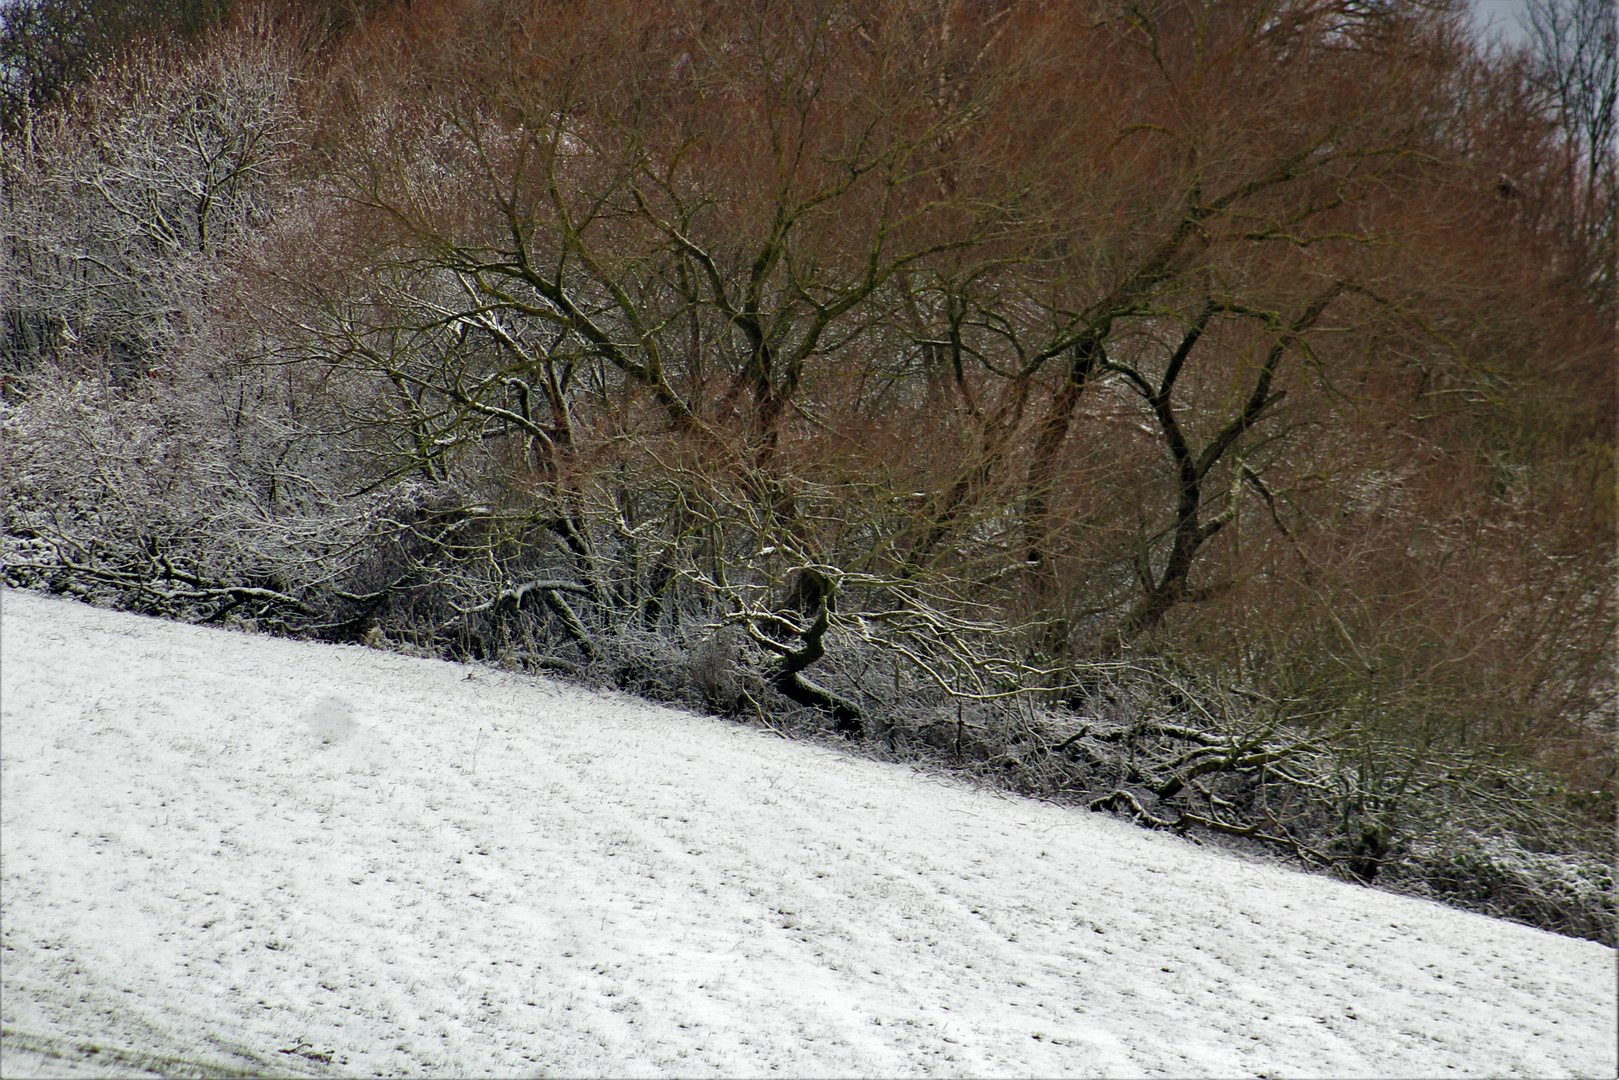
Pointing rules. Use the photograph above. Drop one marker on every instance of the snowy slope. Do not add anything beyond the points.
(280, 856)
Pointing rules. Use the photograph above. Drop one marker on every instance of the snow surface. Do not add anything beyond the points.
(230, 850)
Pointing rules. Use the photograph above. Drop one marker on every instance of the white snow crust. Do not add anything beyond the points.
(227, 851)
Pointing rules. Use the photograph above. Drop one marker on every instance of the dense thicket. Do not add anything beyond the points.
(50, 47)
(1204, 412)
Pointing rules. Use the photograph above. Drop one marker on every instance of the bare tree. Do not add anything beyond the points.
(146, 456)
(1576, 67)
(125, 207)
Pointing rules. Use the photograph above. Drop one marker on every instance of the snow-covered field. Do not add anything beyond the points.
(283, 857)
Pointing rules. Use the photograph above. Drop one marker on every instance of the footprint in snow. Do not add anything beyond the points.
(331, 719)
